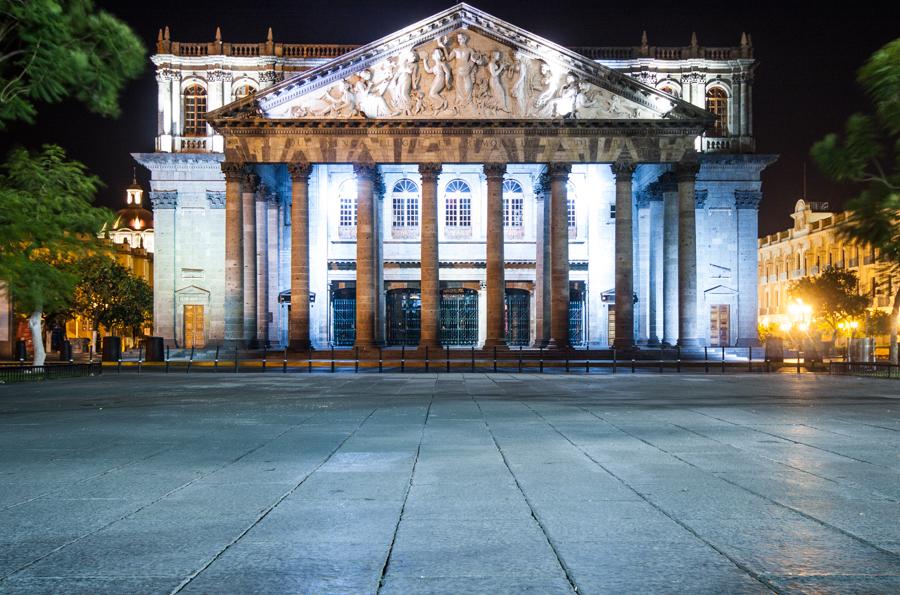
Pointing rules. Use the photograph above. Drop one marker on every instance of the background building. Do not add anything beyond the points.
(188, 195)
(812, 244)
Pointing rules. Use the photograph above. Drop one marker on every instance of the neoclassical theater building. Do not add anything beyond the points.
(461, 182)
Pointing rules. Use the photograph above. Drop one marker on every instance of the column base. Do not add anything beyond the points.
(623, 344)
(300, 345)
(688, 342)
(553, 344)
(494, 344)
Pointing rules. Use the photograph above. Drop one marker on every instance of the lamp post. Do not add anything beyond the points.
(850, 327)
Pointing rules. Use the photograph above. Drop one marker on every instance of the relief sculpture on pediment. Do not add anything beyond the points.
(464, 75)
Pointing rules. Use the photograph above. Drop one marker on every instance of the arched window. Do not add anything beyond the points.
(405, 197)
(194, 108)
(243, 90)
(457, 204)
(717, 103)
(347, 204)
(513, 203)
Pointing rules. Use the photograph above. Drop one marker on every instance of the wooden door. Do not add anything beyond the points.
(193, 327)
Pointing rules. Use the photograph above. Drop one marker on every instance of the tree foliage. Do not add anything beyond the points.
(51, 50)
(47, 222)
(109, 295)
(832, 295)
(868, 153)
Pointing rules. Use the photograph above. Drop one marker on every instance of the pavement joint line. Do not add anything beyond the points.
(751, 428)
(758, 577)
(387, 559)
(559, 560)
(149, 504)
(272, 507)
(805, 515)
(862, 423)
(87, 479)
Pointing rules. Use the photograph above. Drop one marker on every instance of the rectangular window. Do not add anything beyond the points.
(412, 212)
(512, 212)
(612, 211)
(465, 212)
(451, 212)
(570, 211)
(348, 213)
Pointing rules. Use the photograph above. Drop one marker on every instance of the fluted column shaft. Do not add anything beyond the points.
(686, 173)
(248, 200)
(365, 255)
(298, 327)
(234, 255)
(559, 255)
(669, 189)
(430, 264)
(496, 282)
(624, 255)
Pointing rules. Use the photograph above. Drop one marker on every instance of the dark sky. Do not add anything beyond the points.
(808, 55)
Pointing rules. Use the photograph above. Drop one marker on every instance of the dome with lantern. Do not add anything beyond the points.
(133, 224)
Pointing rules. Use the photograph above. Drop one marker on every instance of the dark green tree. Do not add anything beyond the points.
(47, 222)
(832, 295)
(109, 295)
(868, 153)
(51, 50)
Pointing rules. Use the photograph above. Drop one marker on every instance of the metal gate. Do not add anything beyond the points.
(576, 317)
(459, 317)
(404, 316)
(343, 317)
(518, 323)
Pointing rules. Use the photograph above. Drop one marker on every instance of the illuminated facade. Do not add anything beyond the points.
(508, 190)
(811, 245)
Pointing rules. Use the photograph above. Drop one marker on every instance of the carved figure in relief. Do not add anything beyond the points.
(404, 81)
(328, 105)
(550, 83)
(584, 98)
(519, 90)
(496, 68)
(370, 97)
(466, 61)
(441, 72)
(564, 105)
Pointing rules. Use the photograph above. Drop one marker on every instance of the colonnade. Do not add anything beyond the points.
(552, 256)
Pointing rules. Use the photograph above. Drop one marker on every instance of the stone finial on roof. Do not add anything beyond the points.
(219, 34)
(269, 35)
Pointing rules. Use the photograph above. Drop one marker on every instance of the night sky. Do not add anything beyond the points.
(804, 88)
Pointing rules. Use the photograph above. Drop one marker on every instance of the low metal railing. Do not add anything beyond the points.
(23, 373)
(872, 369)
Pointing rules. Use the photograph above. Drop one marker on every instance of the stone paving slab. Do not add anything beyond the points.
(460, 483)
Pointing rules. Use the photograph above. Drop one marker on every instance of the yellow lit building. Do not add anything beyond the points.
(813, 244)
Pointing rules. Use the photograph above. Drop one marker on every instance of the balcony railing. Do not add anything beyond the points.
(665, 53)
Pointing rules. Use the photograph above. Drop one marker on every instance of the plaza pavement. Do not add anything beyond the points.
(487, 483)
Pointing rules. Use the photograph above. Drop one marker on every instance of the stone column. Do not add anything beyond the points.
(234, 256)
(541, 267)
(559, 256)
(686, 173)
(262, 265)
(298, 325)
(430, 333)
(623, 170)
(654, 264)
(496, 280)
(669, 188)
(248, 200)
(366, 300)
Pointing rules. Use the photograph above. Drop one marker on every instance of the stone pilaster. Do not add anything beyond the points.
(668, 186)
(430, 333)
(623, 170)
(366, 253)
(559, 256)
(686, 173)
(248, 200)
(234, 255)
(542, 264)
(298, 325)
(496, 281)
(262, 265)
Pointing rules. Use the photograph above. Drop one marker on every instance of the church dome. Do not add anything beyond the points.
(134, 217)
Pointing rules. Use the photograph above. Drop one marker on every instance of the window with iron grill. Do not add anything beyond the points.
(405, 197)
(194, 108)
(458, 204)
(347, 199)
(717, 103)
(513, 204)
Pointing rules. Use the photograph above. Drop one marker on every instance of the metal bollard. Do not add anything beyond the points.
(567, 363)
(678, 359)
(660, 360)
(190, 361)
(520, 359)
(380, 361)
(167, 359)
(309, 360)
(723, 359)
(356, 364)
(541, 355)
(614, 360)
(632, 364)
(587, 366)
(235, 360)
(798, 360)
(447, 350)
(750, 359)
(332, 358)
(473, 357)
(284, 362)
(495, 359)
(216, 362)
(706, 359)
(119, 366)
(403, 358)
(426, 359)
(264, 358)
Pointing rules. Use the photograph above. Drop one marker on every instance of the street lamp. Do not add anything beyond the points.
(850, 327)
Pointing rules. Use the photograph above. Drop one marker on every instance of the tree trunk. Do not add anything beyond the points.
(34, 325)
(895, 322)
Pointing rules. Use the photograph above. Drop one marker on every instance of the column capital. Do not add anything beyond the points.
(365, 169)
(233, 170)
(494, 170)
(623, 169)
(559, 170)
(299, 170)
(687, 169)
(430, 171)
(668, 182)
(250, 181)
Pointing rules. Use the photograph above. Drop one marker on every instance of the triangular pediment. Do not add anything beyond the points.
(461, 64)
